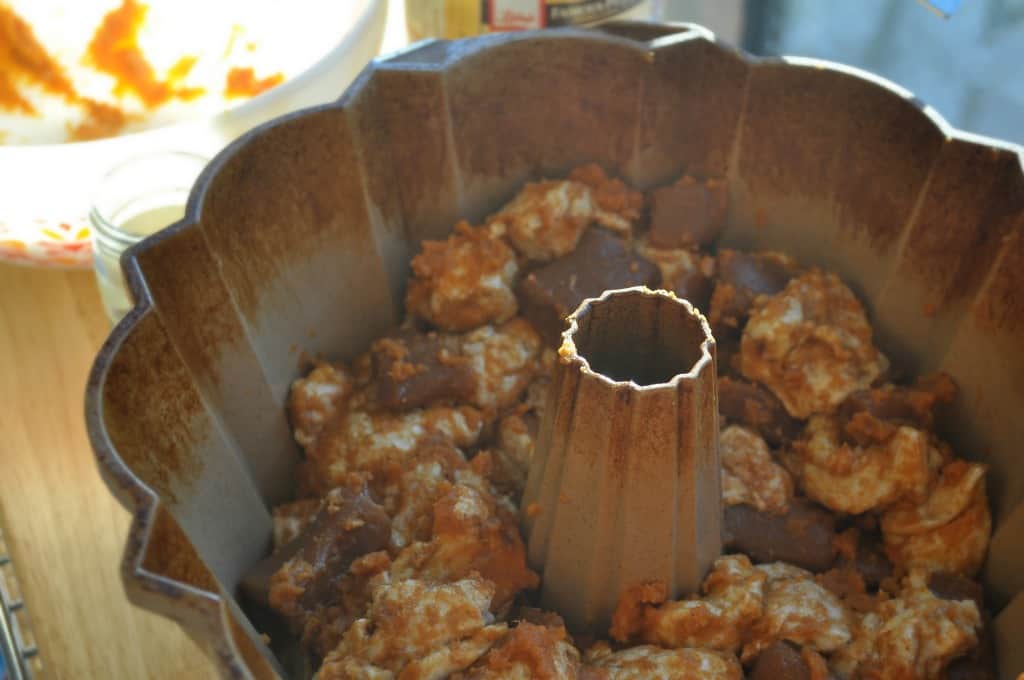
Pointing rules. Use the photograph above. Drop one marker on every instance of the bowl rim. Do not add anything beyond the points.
(211, 618)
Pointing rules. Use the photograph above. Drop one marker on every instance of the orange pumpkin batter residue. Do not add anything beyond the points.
(177, 73)
(23, 59)
(242, 82)
(114, 50)
(101, 120)
(181, 69)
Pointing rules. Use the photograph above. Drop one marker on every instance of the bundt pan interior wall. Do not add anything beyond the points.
(298, 237)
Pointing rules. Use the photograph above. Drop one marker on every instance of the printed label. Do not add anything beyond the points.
(516, 15)
(461, 18)
(572, 12)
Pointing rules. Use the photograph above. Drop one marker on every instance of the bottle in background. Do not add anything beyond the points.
(463, 18)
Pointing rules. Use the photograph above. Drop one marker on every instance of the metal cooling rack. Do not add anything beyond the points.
(17, 644)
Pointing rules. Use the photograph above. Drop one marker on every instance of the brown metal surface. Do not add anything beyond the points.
(625, 485)
(297, 239)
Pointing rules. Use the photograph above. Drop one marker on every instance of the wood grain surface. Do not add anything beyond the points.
(64, 529)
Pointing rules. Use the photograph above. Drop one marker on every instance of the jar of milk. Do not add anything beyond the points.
(137, 198)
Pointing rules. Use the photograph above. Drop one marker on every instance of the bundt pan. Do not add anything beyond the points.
(298, 237)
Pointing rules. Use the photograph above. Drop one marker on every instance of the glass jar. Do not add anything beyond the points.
(137, 198)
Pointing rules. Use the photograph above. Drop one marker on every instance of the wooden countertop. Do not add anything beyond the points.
(64, 529)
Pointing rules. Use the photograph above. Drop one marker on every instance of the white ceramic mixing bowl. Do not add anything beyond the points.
(46, 189)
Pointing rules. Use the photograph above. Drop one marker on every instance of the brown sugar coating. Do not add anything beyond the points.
(546, 220)
(417, 630)
(741, 279)
(489, 367)
(854, 479)
(463, 282)
(515, 445)
(647, 661)
(291, 518)
(315, 399)
(810, 345)
(409, 489)
(506, 463)
(852, 532)
(529, 652)
(611, 194)
(799, 609)
(733, 599)
(849, 586)
(471, 534)
(372, 440)
(503, 361)
(750, 475)
(912, 635)
(949, 531)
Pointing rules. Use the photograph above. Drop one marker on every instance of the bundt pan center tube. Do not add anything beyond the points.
(298, 238)
(624, 485)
